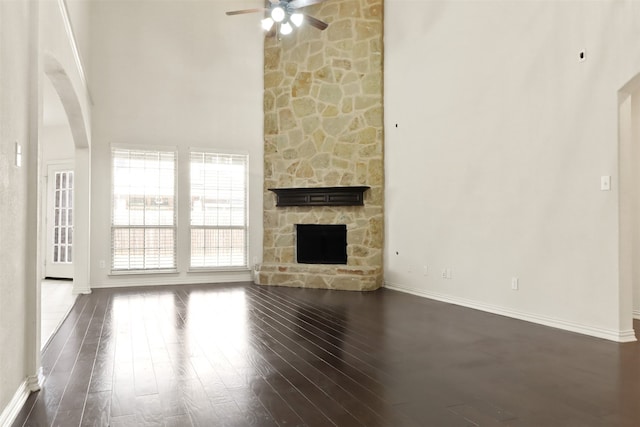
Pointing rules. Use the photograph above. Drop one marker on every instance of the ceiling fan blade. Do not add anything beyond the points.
(315, 22)
(297, 4)
(240, 12)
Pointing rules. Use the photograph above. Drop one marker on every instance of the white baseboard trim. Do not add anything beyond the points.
(193, 278)
(636, 314)
(11, 411)
(608, 334)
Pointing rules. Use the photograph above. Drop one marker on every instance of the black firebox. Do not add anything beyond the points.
(321, 243)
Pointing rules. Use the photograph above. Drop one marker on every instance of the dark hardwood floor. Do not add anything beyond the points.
(243, 355)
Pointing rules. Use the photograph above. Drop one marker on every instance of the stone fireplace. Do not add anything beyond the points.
(323, 128)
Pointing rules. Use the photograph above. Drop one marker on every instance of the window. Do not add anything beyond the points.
(63, 218)
(218, 210)
(143, 221)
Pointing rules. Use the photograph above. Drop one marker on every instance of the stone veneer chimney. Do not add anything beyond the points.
(323, 127)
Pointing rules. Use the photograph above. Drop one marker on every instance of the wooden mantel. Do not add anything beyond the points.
(320, 196)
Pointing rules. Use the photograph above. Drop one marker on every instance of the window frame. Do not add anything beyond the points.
(244, 227)
(112, 226)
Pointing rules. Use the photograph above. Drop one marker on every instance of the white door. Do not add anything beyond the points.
(59, 258)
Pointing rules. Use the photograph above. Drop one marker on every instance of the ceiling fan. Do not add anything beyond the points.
(284, 13)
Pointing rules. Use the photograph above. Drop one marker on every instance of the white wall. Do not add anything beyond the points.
(17, 292)
(174, 74)
(494, 168)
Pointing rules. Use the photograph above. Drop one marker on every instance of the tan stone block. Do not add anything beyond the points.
(367, 136)
(327, 145)
(361, 172)
(366, 101)
(316, 61)
(356, 123)
(347, 105)
(310, 124)
(375, 61)
(269, 255)
(352, 89)
(271, 219)
(361, 65)
(374, 116)
(355, 236)
(330, 9)
(373, 11)
(296, 137)
(316, 281)
(290, 154)
(340, 30)
(282, 142)
(315, 46)
(270, 124)
(344, 150)
(305, 170)
(324, 74)
(319, 138)
(303, 107)
(307, 150)
(290, 69)
(320, 161)
(372, 84)
(330, 111)
(300, 53)
(368, 29)
(283, 240)
(331, 178)
(288, 255)
(272, 58)
(286, 119)
(361, 50)
(268, 101)
(376, 46)
(273, 79)
(345, 46)
(267, 238)
(339, 163)
(330, 93)
(347, 179)
(301, 84)
(292, 168)
(376, 174)
(335, 125)
(350, 77)
(283, 100)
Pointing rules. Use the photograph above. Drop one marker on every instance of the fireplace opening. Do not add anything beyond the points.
(321, 244)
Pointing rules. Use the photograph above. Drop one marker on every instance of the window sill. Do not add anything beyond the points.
(140, 272)
(196, 270)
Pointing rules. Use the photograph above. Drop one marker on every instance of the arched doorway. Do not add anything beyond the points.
(64, 196)
(629, 202)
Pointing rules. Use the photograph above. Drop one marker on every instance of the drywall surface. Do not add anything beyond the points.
(174, 75)
(497, 135)
(15, 63)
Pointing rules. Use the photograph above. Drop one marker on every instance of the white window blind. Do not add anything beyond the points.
(218, 210)
(143, 227)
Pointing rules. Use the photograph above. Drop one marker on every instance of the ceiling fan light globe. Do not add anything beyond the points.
(277, 14)
(286, 28)
(297, 19)
(266, 23)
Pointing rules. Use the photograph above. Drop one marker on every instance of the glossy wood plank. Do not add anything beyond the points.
(243, 355)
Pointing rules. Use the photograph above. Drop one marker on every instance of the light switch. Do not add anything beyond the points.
(605, 183)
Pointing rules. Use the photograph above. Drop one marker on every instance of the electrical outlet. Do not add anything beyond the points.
(446, 273)
(515, 284)
(102, 264)
(425, 270)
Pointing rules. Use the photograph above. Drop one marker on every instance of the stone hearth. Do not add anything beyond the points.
(323, 127)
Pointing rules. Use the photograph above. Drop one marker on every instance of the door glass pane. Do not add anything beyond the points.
(62, 217)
